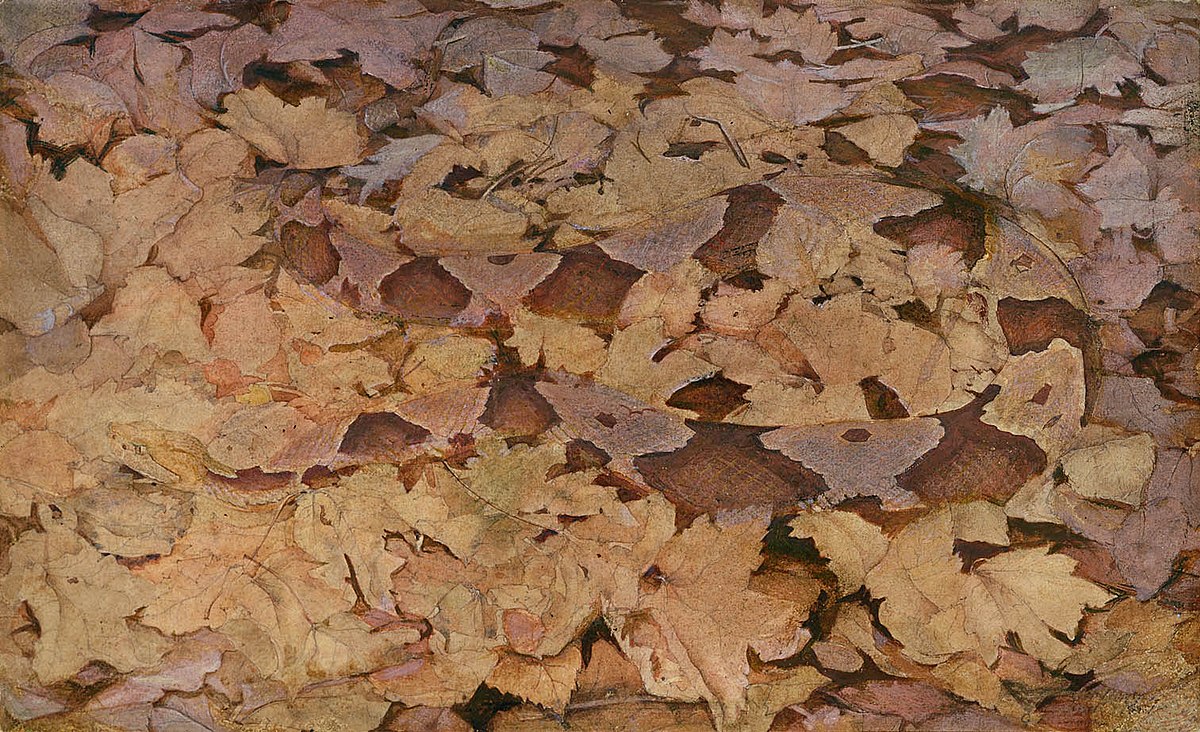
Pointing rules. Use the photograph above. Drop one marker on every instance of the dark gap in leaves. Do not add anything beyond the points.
(267, 14)
(516, 408)
(595, 632)
(945, 97)
(588, 287)
(483, 705)
(107, 21)
(581, 455)
(841, 150)
(971, 552)
(572, 64)
(679, 35)
(918, 314)
(690, 150)
(749, 215)
(780, 541)
(957, 223)
(422, 288)
(724, 467)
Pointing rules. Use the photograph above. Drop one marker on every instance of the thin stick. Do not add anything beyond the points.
(733, 144)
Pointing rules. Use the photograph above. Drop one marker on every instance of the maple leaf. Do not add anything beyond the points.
(1123, 191)
(73, 109)
(81, 600)
(851, 544)
(690, 656)
(263, 595)
(892, 29)
(306, 135)
(572, 348)
(1066, 69)
(789, 93)
(936, 610)
(154, 310)
(492, 510)
(1135, 646)
(1032, 166)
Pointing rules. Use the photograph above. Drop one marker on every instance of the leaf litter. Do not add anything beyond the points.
(514, 365)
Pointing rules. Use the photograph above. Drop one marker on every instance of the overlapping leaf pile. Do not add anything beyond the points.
(425, 365)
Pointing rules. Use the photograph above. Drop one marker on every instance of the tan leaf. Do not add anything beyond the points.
(344, 527)
(558, 345)
(936, 610)
(852, 545)
(307, 135)
(884, 138)
(1041, 396)
(82, 601)
(547, 682)
(630, 368)
(35, 290)
(152, 310)
(689, 655)
(1113, 471)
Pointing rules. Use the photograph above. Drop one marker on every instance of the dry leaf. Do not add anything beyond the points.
(80, 600)
(687, 656)
(306, 135)
(936, 610)
(512, 365)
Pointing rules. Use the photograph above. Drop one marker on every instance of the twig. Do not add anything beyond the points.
(470, 490)
(869, 43)
(733, 144)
